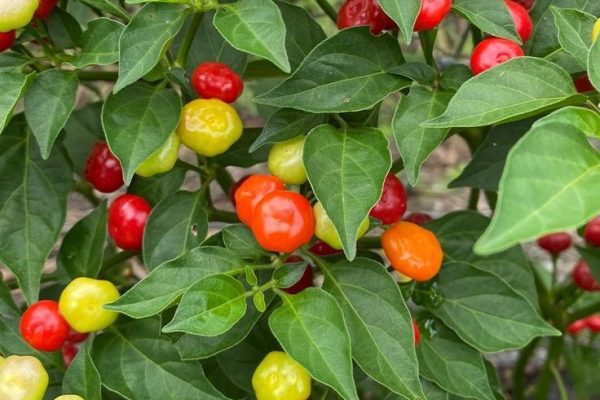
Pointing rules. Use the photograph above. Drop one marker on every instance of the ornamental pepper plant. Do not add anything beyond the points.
(210, 199)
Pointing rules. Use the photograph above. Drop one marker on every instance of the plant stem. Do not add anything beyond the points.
(14, 284)
(397, 166)
(554, 273)
(225, 180)
(98, 75)
(86, 191)
(473, 199)
(492, 199)
(544, 383)
(184, 50)
(114, 261)
(328, 10)
(518, 390)
(560, 383)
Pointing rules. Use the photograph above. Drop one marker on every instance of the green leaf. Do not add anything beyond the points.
(594, 65)
(240, 239)
(574, 32)
(100, 43)
(240, 362)
(581, 362)
(137, 121)
(110, 6)
(404, 13)
(12, 62)
(416, 71)
(455, 76)
(432, 391)
(33, 203)
(288, 274)
(347, 72)
(310, 327)
(64, 30)
(379, 323)
(82, 377)
(164, 285)
(491, 17)
(158, 187)
(415, 143)
(177, 224)
(145, 40)
(485, 169)
(153, 370)
(209, 45)
(513, 90)
(346, 170)
(549, 183)
(255, 27)
(13, 86)
(210, 307)
(286, 124)
(452, 365)
(239, 154)
(48, 104)
(82, 248)
(82, 131)
(303, 33)
(193, 347)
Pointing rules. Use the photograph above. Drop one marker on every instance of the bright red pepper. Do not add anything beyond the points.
(43, 327)
(215, 80)
(418, 218)
(431, 14)
(364, 12)
(392, 205)
(7, 39)
(320, 248)
(76, 337)
(251, 192)
(493, 51)
(528, 4)
(555, 243)
(593, 322)
(521, 18)
(582, 277)
(283, 221)
(235, 187)
(127, 219)
(45, 8)
(103, 170)
(305, 281)
(575, 327)
(592, 232)
(416, 332)
(69, 351)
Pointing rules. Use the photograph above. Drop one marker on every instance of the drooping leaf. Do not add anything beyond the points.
(574, 32)
(240, 239)
(13, 86)
(310, 327)
(286, 124)
(100, 43)
(491, 17)
(255, 27)
(549, 181)
(347, 72)
(157, 187)
(137, 121)
(82, 131)
(513, 90)
(404, 13)
(64, 30)
(346, 170)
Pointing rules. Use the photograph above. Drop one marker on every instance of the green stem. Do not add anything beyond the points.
(14, 284)
(554, 273)
(189, 167)
(184, 50)
(98, 75)
(492, 199)
(397, 166)
(560, 383)
(223, 216)
(518, 392)
(473, 199)
(427, 40)
(328, 10)
(585, 311)
(115, 261)
(477, 36)
(225, 180)
(544, 383)
(85, 189)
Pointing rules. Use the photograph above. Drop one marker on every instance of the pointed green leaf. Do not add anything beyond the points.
(164, 285)
(100, 43)
(240, 239)
(13, 86)
(491, 17)
(347, 72)
(310, 327)
(513, 90)
(415, 143)
(255, 27)
(157, 187)
(379, 323)
(574, 32)
(48, 104)
(594, 65)
(82, 377)
(346, 170)
(145, 40)
(137, 121)
(404, 13)
(549, 183)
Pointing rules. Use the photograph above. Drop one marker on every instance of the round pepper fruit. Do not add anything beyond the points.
(283, 221)
(103, 170)
(493, 51)
(251, 192)
(521, 19)
(235, 187)
(22, 378)
(591, 232)
(392, 205)
(16, 14)
(82, 304)
(577, 326)
(593, 323)
(582, 277)
(285, 161)
(69, 351)
(43, 327)
(555, 243)
(215, 80)
(7, 39)
(432, 12)
(325, 230)
(127, 217)
(280, 377)
(412, 250)
(76, 337)
(418, 218)
(209, 127)
(304, 282)
(162, 160)
(364, 12)
(45, 8)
